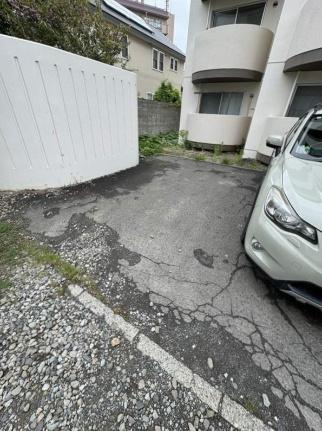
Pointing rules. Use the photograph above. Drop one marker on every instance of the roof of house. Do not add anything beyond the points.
(144, 8)
(117, 13)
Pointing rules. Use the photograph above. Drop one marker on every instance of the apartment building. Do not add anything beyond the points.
(147, 51)
(156, 17)
(252, 68)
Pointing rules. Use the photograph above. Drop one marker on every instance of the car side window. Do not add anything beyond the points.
(293, 130)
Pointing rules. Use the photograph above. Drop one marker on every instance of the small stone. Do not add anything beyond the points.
(196, 423)
(74, 384)
(45, 387)
(120, 417)
(52, 426)
(115, 341)
(210, 363)
(141, 384)
(266, 401)
(174, 394)
(210, 413)
(191, 427)
(130, 420)
(206, 424)
(16, 391)
(139, 405)
(26, 407)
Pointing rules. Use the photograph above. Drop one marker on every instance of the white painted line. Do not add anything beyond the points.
(239, 417)
(227, 408)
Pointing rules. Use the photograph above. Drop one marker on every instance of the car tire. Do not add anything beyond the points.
(243, 234)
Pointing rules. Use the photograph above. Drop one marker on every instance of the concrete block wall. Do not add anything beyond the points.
(157, 117)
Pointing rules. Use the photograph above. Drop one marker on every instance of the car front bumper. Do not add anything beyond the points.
(293, 262)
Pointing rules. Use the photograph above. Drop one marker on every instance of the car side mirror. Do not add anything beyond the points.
(275, 141)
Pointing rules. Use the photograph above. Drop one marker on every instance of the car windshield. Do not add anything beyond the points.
(308, 145)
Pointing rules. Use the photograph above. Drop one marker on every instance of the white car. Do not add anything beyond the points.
(284, 232)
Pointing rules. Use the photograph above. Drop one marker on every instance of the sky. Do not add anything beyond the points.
(180, 8)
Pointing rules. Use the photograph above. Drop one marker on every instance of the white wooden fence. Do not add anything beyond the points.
(64, 119)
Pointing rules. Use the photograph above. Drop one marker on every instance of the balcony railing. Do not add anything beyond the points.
(306, 47)
(236, 52)
(227, 130)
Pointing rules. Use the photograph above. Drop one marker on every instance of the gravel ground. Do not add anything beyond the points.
(63, 368)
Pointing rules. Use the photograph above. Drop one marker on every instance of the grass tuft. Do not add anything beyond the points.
(14, 247)
(250, 406)
(200, 156)
(4, 285)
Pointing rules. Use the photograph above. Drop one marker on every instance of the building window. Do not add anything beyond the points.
(252, 14)
(221, 103)
(149, 96)
(161, 61)
(125, 48)
(154, 22)
(173, 64)
(157, 60)
(305, 98)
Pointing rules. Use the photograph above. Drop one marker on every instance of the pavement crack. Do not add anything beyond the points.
(289, 321)
(159, 263)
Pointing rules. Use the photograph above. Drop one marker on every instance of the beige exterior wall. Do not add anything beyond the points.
(140, 62)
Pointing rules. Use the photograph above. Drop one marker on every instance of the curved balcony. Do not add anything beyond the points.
(227, 130)
(229, 53)
(306, 47)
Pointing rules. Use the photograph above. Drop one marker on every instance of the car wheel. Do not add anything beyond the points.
(243, 234)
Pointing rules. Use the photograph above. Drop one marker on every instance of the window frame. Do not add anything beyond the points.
(152, 21)
(159, 53)
(155, 50)
(314, 84)
(175, 64)
(221, 101)
(212, 15)
(127, 48)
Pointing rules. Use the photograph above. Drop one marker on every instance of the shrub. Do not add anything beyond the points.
(167, 93)
(150, 145)
(72, 25)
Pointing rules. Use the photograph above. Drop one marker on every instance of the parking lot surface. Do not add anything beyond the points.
(163, 242)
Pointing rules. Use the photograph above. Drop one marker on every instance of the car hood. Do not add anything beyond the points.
(302, 184)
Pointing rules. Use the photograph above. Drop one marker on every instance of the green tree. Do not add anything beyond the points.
(72, 25)
(167, 93)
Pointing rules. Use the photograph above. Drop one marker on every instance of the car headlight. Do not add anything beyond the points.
(279, 210)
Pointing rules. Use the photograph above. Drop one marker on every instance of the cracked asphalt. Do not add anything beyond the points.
(162, 241)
